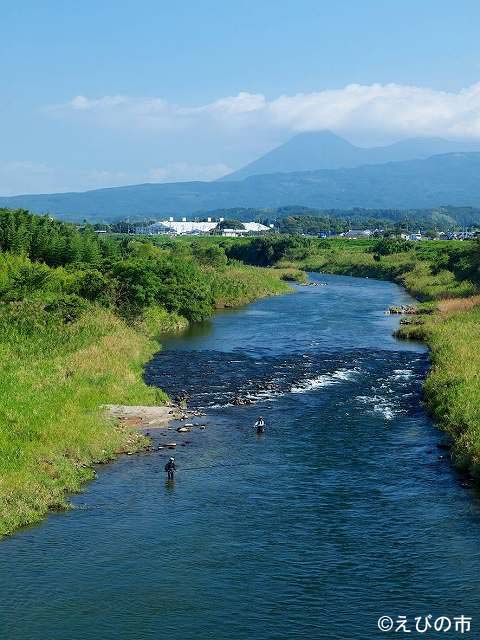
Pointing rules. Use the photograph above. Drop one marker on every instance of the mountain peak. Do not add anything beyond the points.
(314, 150)
(323, 134)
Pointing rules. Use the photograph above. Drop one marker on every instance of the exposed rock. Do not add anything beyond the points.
(142, 416)
(403, 309)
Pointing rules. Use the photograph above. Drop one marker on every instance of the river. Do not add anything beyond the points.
(342, 512)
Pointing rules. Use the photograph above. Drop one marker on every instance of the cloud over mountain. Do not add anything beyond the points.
(393, 110)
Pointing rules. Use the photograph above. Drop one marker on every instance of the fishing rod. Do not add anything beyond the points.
(223, 466)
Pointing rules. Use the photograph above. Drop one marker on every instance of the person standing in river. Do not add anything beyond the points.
(170, 469)
(260, 425)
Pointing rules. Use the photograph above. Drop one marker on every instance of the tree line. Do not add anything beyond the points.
(47, 266)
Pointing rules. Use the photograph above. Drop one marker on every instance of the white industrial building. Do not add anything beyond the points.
(180, 228)
(256, 227)
(248, 227)
(355, 234)
(185, 227)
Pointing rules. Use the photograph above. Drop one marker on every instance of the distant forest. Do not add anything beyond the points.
(439, 218)
(297, 219)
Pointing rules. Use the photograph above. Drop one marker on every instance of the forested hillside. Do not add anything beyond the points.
(450, 179)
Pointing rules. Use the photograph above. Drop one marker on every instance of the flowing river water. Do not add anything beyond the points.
(344, 511)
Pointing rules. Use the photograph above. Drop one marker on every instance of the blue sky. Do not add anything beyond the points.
(104, 93)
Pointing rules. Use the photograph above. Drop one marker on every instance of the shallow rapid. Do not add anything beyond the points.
(344, 511)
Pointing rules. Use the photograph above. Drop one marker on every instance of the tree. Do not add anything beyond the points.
(137, 285)
(230, 224)
(94, 286)
(211, 255)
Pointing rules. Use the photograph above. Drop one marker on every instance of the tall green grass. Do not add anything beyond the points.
(452, 387)
(239, 284)
(55, 377)
(414, 269)
(52, 428)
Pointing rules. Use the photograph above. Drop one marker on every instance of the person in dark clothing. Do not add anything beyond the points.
(170, 469)
(260, 425)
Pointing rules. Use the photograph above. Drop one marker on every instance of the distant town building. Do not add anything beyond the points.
(256, 227)
(233, 233)
(248, 228)
(180, 228)
(355, 234)
(185, 227)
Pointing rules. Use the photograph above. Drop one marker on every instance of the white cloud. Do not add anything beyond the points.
(394, 109)
(389, 109)
(124, 111)
(29, 177)
(81, 103)
(232, 130)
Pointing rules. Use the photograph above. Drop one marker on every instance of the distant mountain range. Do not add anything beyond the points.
(325, 150)
(447, 179)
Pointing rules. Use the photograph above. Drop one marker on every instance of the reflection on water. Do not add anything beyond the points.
(194, 331)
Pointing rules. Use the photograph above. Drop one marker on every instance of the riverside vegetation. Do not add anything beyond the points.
(80, 313)
(79, 316)
(445, 277)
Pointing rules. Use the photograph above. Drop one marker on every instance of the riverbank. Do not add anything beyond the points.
(53, 427)
(448, 321)
(452, 387)
(56, 376)
(348, 477)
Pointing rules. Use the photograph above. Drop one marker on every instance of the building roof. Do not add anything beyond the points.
(199, 227)
(353, 233)
(182, 227)
(255, 226)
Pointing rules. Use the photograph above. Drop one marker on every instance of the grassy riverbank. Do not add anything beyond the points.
(445, 277)
(79, 317)
(452, 387)
(51, 425)
(54, 383)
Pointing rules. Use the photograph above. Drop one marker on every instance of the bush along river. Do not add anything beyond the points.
(346, 510)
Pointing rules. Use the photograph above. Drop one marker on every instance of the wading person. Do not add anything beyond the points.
(260, 425)
(170, 469)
